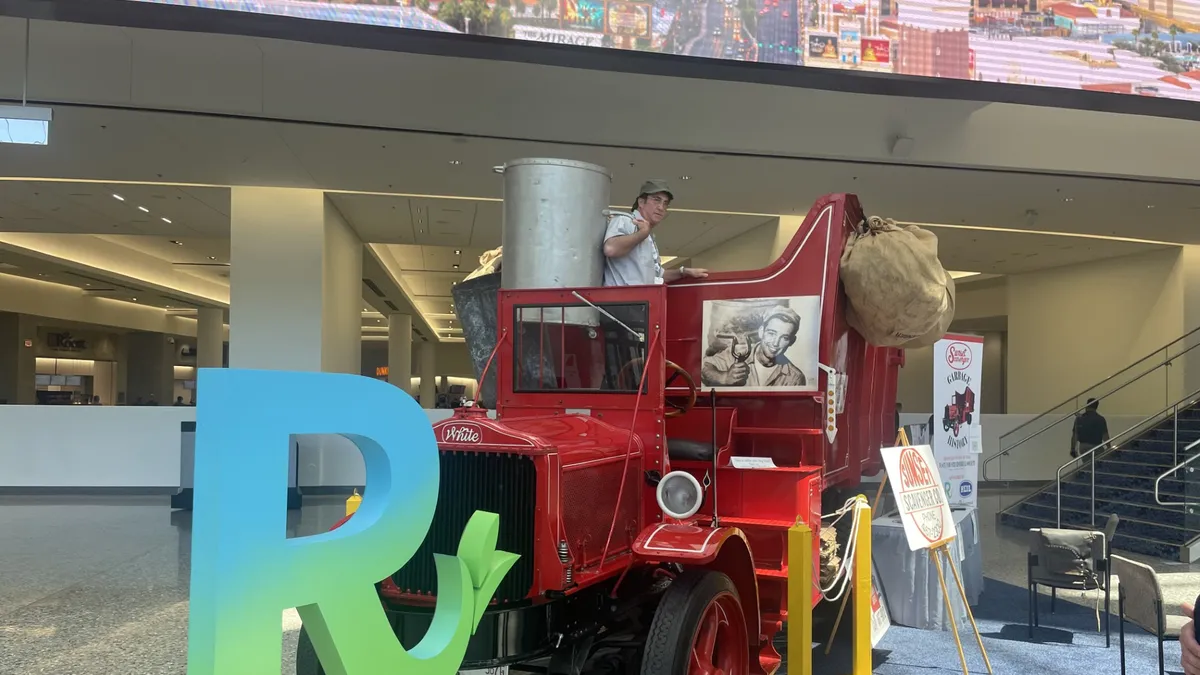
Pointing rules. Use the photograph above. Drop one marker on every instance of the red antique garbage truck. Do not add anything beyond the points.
(647, 482)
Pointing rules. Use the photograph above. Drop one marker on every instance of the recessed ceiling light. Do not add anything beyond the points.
(142, 208)
(457, 252)
(177, 242)
(1149, 206)
(135, 299)
(455, 162)
(118, 197)
(167, 306)
(212, 257)
(685, 177)
(167, 220)
(1069, 199)
(456, 267)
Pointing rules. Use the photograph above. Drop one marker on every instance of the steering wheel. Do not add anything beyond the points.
(675, 408)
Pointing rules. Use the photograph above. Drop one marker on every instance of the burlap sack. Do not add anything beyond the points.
(489, 263)
(899, 293)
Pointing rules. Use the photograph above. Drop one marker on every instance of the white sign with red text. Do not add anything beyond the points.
(917, 486)
(956, 436)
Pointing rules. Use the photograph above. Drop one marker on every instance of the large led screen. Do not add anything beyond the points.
(1143, 47)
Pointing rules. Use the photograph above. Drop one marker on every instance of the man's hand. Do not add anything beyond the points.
(1187, 640)
(641, 224)
(695, 272)
(737, 375)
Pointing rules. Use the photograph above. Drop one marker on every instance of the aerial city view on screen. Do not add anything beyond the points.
(1144, 47)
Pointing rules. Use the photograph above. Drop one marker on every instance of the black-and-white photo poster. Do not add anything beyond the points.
(761, 344)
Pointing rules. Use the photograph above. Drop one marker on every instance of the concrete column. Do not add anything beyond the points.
(18, 365)
(104, 381)
(428, 373)
(151, 371)
(210, 338)
(400, 351)
(295, 283)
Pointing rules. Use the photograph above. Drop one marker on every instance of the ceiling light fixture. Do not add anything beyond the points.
(212, 257)
(456, 267)
(177, 242)
(1069, 199)
(455, 162)
(143, 209)
(135, 299)
(1149, 206)
(167, 220)
(118, 197)
(457, 252)
(685, 178)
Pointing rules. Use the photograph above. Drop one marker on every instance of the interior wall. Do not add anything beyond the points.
(151, 370)
(1071, 327)
(341, 327)
(18, 362)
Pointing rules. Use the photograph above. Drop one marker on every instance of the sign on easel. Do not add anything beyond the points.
(917, 487)
(929, 524)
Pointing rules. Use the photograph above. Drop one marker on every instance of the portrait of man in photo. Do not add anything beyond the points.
(760, 347)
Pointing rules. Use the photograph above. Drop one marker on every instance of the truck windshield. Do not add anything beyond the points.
(579, 347)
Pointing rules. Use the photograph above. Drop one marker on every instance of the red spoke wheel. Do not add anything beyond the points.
(698, 629)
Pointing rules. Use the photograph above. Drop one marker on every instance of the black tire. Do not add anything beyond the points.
(307, 662)
(676, 621)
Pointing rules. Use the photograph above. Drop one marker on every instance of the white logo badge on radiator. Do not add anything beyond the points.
(461, 433)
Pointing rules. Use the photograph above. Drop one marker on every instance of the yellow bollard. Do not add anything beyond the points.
(353, 503)
(800, 596)
(862, 587)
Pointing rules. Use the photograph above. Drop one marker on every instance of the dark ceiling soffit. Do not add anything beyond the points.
(180, 18)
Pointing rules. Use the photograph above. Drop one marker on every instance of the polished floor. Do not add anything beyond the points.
(99, 585)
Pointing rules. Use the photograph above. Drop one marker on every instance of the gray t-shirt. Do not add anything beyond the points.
(641, 266)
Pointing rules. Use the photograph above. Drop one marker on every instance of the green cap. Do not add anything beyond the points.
(654, 186)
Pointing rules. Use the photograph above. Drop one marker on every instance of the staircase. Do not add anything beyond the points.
(1124, 476)
(1125, 486)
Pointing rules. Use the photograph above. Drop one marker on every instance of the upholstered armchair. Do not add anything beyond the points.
(1076, 560)
(1140, 602)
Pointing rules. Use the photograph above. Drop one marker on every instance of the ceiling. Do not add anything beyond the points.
(129, 122)
(511, 90)
(420, 246)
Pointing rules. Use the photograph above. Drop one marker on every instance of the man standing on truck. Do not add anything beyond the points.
(630, 253)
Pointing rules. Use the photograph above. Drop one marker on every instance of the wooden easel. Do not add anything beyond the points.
(901, 440)
(937, 551)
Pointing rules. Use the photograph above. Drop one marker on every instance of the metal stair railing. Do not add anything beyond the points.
(1158, 481)
(1161, 365)
(1171, 412)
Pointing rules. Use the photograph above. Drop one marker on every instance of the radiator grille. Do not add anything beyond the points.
(589, 497)
(472, 481)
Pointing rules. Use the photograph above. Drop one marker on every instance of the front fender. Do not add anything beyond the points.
(688, 544)
(723, 549)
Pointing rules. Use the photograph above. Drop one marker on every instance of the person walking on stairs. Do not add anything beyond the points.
(1090, 430)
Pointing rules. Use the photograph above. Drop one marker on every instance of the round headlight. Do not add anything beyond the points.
(680, 495)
